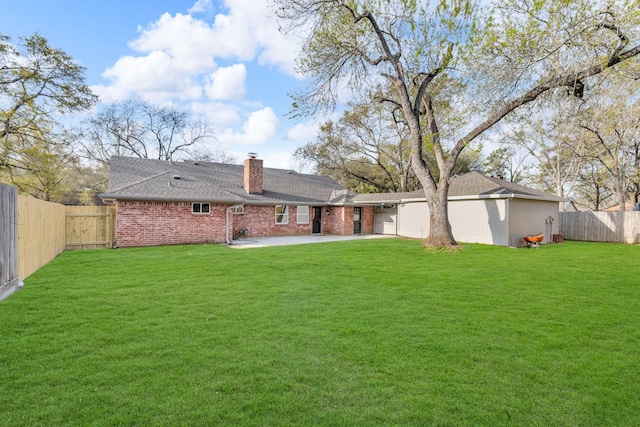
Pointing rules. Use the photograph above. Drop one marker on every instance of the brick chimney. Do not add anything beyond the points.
(253, 174)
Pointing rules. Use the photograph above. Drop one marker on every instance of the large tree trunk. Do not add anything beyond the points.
(440, 234)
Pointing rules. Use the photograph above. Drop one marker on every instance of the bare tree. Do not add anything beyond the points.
(484, 64)
(139, 129)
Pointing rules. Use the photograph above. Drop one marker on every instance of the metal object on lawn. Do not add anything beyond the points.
(533, 240)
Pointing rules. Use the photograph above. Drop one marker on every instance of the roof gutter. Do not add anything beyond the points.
(488, 196)
(508, 196)
(114, 199)
(284, 202)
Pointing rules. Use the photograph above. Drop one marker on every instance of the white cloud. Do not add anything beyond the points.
(176, 54)
(153, 77)
(257, 19)
(217, 113)
(304, 132)
(260, 128)
(201, 6)
(278, 160)
(227, 83)
(109, 94)
(187, 41)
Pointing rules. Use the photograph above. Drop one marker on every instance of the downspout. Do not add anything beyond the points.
(226, 223)
(507, 215)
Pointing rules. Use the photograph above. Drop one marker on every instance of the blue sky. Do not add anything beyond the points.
(222, 59)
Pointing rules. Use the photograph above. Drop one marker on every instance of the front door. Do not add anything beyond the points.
(357, 220)
(317, 219)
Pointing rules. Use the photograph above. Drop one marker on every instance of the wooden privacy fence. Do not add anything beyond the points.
(621, 227)
(90, 227)
(33, 232)
(40, 233)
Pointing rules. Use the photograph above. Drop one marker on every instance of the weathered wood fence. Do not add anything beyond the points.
(9, 280)
(33, 232)
(620, 227)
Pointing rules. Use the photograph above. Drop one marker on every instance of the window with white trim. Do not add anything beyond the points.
(200, 208)
(302, 214)
(238, 210)
(282, 214)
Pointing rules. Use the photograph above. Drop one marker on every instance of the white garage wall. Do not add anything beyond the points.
(413, 220)
(529, 217)
(385, 221)
(480, 221)
(500, 222)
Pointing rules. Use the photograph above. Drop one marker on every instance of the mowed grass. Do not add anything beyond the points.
(361, 333)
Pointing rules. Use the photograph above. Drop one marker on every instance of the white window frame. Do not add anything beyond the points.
(302, 214)
(283, 214)
(238, 210)
(200, 206)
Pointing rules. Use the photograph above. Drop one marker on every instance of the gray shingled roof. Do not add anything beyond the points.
(470, 185)
(149, 179)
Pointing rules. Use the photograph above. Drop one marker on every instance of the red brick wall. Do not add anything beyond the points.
(367, 219)
(172, 223)
(340, 220)
(168, 223)
(260, 221)
(253, 175)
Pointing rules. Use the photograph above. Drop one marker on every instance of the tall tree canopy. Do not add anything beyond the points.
(365, 150)
(455, 69)
(610, 135)
(39, 85)
(368, 150)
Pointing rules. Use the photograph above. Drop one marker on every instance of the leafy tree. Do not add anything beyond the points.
(39, 168)
(549, 137)
(365, 150)
(592, 189)
(138, 129)
(454, 57)
(368, 150)
(505, 162)
(84, 183)
(610, 135)
(39, 85)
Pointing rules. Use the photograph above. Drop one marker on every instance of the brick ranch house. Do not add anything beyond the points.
(168, 203)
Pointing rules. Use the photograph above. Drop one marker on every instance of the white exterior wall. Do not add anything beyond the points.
(385, 221)
(413, 220)
(500, 222)
(529, 217)
(470, 221)
(480, 221)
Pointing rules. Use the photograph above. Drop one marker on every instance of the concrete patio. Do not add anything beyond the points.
(261, 242)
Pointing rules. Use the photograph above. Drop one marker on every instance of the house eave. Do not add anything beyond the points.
(285, 202)
(507, 196)
(115, 199)
(487, 197)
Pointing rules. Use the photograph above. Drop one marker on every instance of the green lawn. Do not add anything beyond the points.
(361, 333)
